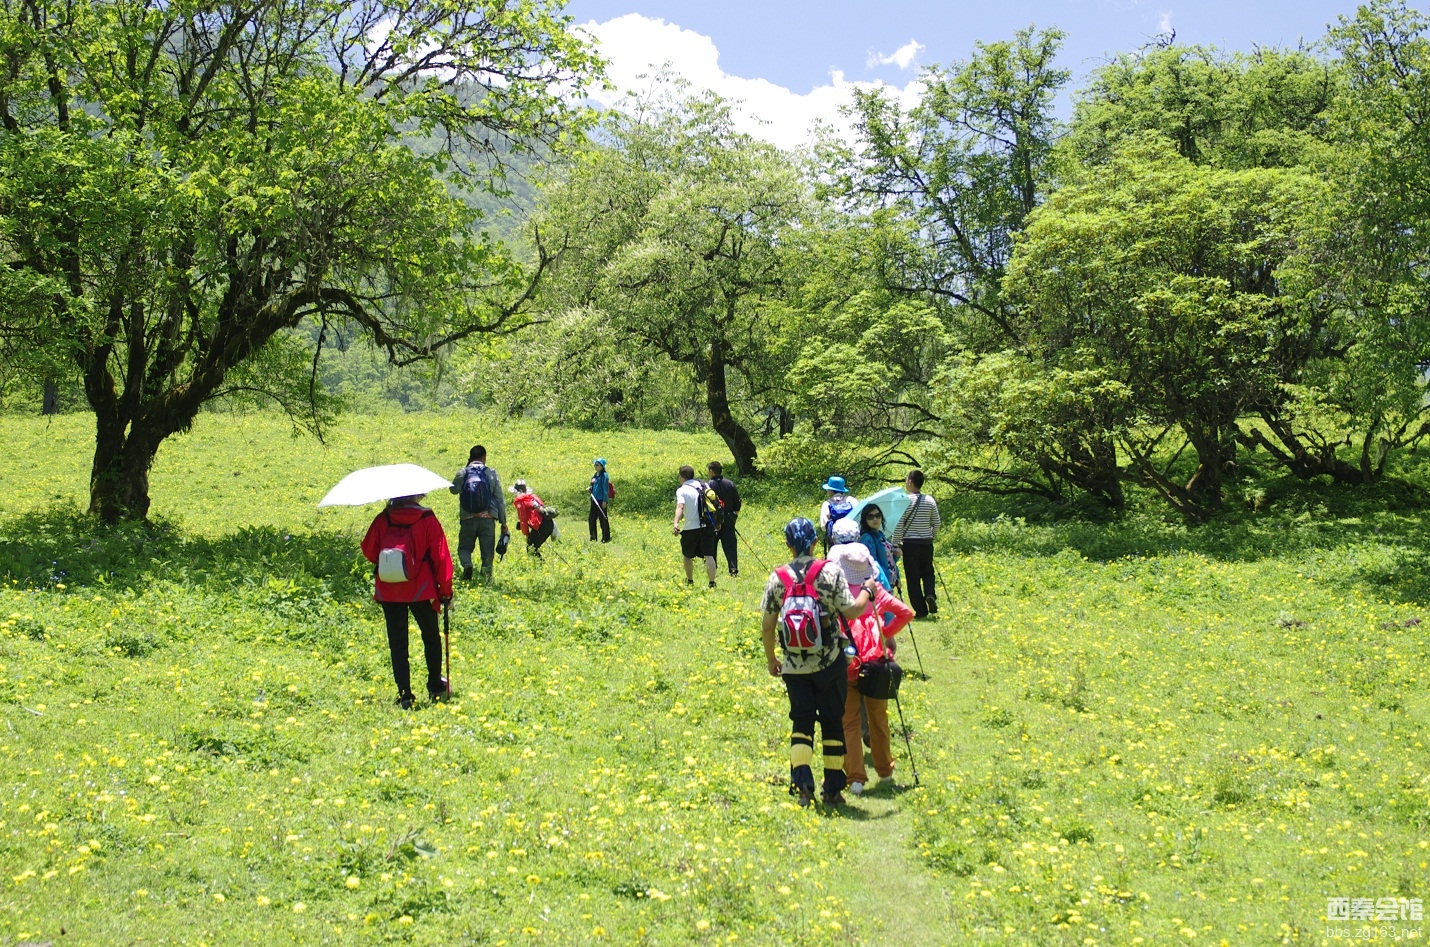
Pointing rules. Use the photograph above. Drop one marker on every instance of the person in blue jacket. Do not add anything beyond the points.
(871, 534)
(601, 492)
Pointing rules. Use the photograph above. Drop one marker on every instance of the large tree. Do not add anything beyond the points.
(961, 171)
(1169, 280)
(183, 182)
(675, 228)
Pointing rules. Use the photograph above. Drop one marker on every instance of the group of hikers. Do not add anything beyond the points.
(832, 646)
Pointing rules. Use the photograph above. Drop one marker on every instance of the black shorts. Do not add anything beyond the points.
(697, 543)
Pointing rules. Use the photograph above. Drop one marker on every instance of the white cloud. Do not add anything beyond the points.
(903, 57)
(1164, 25)
(638, 47)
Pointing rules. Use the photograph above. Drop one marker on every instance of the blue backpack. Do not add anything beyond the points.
(476, 495)
(838, 509)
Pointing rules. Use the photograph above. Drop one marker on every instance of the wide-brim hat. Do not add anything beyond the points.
(519, 486)
(836, 484)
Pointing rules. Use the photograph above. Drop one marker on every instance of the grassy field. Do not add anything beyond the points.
(1129, 733)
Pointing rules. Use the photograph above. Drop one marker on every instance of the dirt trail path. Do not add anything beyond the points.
(897, 902)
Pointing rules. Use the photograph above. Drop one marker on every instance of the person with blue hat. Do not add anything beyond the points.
(602, 492)
(836, 506)
(800, 610)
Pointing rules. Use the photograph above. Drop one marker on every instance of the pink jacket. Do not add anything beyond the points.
(886, 616)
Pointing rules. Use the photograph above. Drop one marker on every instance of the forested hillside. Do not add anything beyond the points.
(1210, 276)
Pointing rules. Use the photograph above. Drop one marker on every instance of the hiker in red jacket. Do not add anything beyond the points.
(532, 517)
(414, 573)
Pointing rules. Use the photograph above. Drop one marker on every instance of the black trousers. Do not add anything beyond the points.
(597, 515)
(919, 576)
(730, 543)
(426, 616)
(541, 534)
(819, 696)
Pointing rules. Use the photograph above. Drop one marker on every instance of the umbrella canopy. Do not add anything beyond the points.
(892, 501)
(383, 483)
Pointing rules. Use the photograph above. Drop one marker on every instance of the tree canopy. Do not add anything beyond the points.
(185, 182)
(1216, 266)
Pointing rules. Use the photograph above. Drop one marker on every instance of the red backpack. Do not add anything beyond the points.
(397, 561)
(804, 627)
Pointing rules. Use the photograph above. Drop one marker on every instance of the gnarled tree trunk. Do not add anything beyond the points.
(717, 399)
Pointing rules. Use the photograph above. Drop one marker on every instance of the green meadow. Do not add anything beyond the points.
(1126, 732)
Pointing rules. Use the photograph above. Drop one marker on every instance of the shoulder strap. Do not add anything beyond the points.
(909, 512)
(788, 576)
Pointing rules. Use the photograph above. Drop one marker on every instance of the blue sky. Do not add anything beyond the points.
(790, 61)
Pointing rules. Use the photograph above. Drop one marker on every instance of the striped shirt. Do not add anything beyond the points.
(920, 521)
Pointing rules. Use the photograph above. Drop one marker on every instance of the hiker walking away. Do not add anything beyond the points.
(482, 507)
(914, 537)
(872, 634)
(697, 538)
(532, 517)
(871, 534)
(414, 575)
(837, 505)
(729, 494)
(799, 607)
(602, 492)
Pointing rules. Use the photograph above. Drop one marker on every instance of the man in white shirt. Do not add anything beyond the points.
(697, 540)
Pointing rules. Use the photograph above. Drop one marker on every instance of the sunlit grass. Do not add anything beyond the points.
(201, 747)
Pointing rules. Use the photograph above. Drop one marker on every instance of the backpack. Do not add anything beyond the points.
(396, 561)
(712, 508)
(804, 628)
(476, 495)
(838, 510)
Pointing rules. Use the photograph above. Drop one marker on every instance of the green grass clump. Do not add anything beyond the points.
(1130, 732)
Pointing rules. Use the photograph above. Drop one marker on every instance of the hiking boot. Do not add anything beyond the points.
(712, 585)
(406, 701)
(466, 573)
(734, 573)
(805, 794)
(832, 799)
(441, 695)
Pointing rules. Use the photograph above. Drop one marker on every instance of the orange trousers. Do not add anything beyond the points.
(878, 711)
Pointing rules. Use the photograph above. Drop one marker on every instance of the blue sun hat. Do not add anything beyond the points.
(836, 484)
(799, 535)
(601, 461)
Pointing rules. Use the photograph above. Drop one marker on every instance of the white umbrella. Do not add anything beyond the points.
(891, 502)
(383, 483)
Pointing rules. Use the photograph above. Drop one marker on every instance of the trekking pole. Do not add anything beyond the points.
(915, 642)
(943, 585)
(604, 518)
(907, 746)
(752, 550)
(447, 640)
